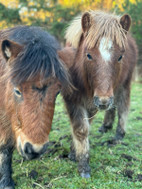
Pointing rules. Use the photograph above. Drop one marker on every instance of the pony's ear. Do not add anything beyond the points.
(86, 21)
(125, 22)
(10, 49)
(61, 55)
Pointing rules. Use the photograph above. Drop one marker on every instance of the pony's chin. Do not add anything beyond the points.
(104, 108)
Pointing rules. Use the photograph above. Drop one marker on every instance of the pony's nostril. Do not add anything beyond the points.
(34, 151)
(28, 149)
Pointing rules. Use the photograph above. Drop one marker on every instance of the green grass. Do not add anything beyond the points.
(112, 167)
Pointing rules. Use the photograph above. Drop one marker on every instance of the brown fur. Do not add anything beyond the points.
(97, 81)
(31, 112)
(31, 75)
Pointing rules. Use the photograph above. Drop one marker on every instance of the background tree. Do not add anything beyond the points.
(55, 15)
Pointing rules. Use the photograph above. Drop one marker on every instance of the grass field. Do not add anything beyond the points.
(113, 167)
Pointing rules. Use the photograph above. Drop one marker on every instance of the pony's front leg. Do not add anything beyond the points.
(123, 108)
(72, 154)
(108, 121)
(80, 131)
(6, 181)
(6, 150)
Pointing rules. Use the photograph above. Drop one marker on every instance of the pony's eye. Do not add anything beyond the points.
(89, 57)
(17, 92)
(119, 58)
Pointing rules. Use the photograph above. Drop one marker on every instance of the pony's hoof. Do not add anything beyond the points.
(119, 136)
(72, 157)
(104, 129)
(111, 142)
(85, 175)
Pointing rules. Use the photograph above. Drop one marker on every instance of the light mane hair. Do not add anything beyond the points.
(103, 24)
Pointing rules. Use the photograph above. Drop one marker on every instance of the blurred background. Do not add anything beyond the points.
(117, 167)
(55, 15)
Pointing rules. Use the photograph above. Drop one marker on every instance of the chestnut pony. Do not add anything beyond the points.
(31, 75)
(101, 67)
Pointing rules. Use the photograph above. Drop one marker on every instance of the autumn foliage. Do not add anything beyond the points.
(55, 15)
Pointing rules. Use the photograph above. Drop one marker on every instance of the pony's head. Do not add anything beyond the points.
(101, 40)
(34, 75)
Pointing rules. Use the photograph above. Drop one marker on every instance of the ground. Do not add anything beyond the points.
(113, 167)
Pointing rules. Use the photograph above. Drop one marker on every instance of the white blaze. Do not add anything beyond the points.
(104, 49)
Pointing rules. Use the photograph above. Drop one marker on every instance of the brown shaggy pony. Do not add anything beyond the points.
(31, 76)
(101, 68)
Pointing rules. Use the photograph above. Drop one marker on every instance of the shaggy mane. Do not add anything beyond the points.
(102, 25)
(38, 58)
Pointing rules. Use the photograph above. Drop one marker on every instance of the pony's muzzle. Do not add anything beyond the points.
(104, 103)
(30, 151)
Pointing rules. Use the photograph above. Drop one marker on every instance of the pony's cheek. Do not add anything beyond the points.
(16, 130)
